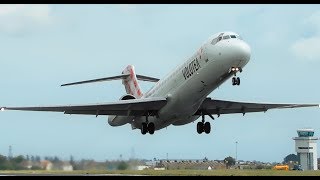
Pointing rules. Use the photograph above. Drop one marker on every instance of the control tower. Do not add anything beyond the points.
(306, 148)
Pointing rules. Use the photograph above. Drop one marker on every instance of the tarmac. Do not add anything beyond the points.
(70, 175)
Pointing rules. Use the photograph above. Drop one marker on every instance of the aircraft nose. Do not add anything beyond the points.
(235, 53)
(242, 50)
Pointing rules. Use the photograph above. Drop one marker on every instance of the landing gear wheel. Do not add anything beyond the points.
(199, 127)
(144, 128)
(238, 81)
(234, 81)
(207, 127)
(151, 128)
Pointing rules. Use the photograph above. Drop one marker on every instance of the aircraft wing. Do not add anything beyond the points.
(210, 106)
(133, 107)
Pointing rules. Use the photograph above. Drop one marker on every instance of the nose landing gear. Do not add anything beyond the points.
(235, 79)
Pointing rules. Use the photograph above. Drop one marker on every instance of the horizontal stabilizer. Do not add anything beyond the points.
(146, 78)
(140, 77)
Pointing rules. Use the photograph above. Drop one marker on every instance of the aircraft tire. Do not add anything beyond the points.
(151, 128)
(207, 127)
(234, 81)
(238, 81)
(199, 127)
(144, 128)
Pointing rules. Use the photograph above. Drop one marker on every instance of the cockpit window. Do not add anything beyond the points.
(239, 37)
(221, 37)
(215, 40)
(226, 37)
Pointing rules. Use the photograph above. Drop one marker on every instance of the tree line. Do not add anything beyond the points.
(36, 163)
(14, 163)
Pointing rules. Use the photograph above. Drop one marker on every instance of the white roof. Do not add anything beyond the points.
(306, 130)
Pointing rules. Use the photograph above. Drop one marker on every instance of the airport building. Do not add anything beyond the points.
(306, 148)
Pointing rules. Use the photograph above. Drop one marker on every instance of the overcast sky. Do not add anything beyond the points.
(43, 46)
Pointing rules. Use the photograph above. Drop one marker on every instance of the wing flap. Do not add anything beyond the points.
(108, 112)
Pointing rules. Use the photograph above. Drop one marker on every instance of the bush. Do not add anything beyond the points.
(260, 166)
(122, 166)
(36, 168)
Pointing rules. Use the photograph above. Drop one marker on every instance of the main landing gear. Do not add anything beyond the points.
(204, 126)
(235, 79)
(147, 127)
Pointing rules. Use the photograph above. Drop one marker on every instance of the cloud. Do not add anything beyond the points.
(314, 19)
(308, 48)
(19, 18)
(127, 7)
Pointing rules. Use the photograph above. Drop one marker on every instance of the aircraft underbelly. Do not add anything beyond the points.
(185, 100)
(193, 92)
(188, 98)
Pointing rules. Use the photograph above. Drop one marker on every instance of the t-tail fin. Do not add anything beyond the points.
(131, 82)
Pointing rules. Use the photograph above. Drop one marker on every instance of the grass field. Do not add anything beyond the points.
(173, 172)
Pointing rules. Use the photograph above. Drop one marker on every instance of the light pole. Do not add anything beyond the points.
(236, 151)
(167, 163)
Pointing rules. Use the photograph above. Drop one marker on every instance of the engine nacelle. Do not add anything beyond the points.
(127, 97)
(121, 120)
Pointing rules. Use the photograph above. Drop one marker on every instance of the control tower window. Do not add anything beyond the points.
(305, 134)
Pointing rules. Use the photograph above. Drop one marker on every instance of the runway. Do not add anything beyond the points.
(70, 174)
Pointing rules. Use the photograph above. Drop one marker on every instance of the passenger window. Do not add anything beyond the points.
(232, 36)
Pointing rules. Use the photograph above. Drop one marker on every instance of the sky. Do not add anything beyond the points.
(44, 46)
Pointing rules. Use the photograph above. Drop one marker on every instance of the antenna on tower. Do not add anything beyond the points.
(10, 152)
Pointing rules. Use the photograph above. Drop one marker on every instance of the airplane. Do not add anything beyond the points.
(181, 97)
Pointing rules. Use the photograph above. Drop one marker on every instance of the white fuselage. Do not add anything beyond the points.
(190, 83)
